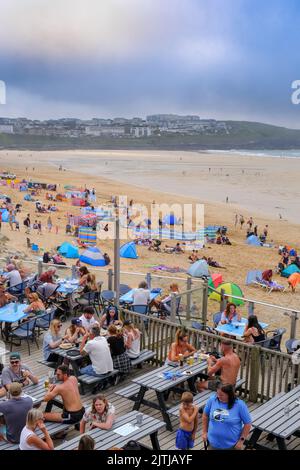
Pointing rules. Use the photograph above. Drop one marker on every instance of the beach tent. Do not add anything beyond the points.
(230, 289)
(170, 219)
(68, 250)
(27, 197)
(128, 251)
(291, 269)
(92, 256)
(199, 269)
(293, 252)
(215, 280)
(253, 240)
(87, 236)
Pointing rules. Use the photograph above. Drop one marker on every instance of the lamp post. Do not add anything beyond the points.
(117, 260)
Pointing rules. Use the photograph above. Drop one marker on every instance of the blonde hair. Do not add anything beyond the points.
(53, 325)
(180, 334)
(33, 416)
(34, 296)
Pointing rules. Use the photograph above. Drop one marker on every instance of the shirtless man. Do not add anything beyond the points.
(228, 365)
(73, 410)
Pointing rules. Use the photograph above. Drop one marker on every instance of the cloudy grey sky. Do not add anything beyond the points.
(224, 59)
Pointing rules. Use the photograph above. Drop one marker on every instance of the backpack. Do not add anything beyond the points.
(296, 357)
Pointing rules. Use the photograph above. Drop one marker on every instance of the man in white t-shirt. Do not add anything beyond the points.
(87, 318)
(141, 295)
(98, 350)
(13, 276)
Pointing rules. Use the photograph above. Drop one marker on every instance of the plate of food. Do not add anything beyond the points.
(66, 345)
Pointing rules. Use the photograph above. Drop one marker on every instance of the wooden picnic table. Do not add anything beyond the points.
(279, 416)
(37, 393)
(63, 353)
(156, 381)
(105, 439)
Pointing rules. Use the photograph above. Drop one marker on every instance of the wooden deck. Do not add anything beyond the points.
(122, 405)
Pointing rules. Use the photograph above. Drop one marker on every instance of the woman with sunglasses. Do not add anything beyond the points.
(181, 347)
(52, 339)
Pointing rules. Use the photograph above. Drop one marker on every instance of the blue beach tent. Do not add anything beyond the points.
(199, 269)
(128, 251)
(68, 250)
(5, 215)
(170, 219)
(253, 240)
(92, 256)
(291, 269)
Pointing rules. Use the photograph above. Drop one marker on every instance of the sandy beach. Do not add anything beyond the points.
(259, 187)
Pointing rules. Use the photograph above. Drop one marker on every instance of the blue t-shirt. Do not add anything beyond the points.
(48, 338)
(224, 425)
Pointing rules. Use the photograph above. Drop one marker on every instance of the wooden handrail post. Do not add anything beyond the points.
(110, 279)
(74, 272)
(188, 298)
(40, 267)
(223, 301)
(204, 302)
(173, 307)
(148, 280)
(254, 373)
(294, 318)
(251, 308)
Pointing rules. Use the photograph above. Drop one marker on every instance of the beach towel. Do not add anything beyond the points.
(169, 269)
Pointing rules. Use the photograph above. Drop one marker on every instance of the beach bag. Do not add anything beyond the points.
(296, 357)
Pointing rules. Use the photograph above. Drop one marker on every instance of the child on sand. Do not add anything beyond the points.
(188, 415)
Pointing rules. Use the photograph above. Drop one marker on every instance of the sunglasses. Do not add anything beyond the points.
(14, 362)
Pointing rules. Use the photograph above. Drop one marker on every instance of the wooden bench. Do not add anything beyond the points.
(90, 380)
(201, 398)
(53, 428)
(145, 355)
(129, 392)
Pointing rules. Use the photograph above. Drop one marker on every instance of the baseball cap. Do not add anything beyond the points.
(127, 322)
(15, 355)
(76, 321)
(15, 389)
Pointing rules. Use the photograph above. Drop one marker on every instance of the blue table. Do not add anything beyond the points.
(127, 298)
(236, 329)
(68, 287)
(8, 314)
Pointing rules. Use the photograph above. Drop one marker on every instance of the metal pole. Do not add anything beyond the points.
(251, 308)
(110, 279)
(148, 280)
(117, 262)
(188, 298)
(40, 267)
(74, 272)
(294, 318)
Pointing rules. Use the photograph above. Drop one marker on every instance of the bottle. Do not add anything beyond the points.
(46, 384)
(181, 360)
(195, 357)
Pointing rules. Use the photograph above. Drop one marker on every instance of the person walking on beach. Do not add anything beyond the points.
(242, 221)
(250, 223)
(27, 223)
(39, 228)
(227, 199)
(266, 231)
(236, 219)
(49, 224)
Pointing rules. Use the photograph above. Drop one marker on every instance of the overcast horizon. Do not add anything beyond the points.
(224, 60)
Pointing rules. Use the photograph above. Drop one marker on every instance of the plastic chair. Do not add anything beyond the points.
(24, 332)
(106, 298)
(217, 318)
(142, 309)
(43, 321)
(292, 345)
(273, 343)
(124, 288)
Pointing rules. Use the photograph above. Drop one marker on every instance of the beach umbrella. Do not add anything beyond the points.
(230, 289)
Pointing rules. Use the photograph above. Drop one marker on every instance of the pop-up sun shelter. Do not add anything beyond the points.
(199, 269)
(253, 240)
(128, 251)
(229, 289)
(92, 256)
(170, 219)
(68, 250)
(291, 269)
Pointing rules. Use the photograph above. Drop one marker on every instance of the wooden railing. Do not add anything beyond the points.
(266, 372)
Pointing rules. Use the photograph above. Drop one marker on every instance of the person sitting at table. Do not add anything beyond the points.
(141, 295)
(17, 372)
(118, 352)
(111, 317)
(227, 366)
(35, 304)
(68, 390)
(101, 415)
(15, 412)
(86, 443)
(180, 346)
(74, 331)
(230, 314)
(132, 337)
(226, 421)
(48, 276)
(29, 440)
(83, 274)
(12, 276)
(98, 350)
(88, 319)
(52, 339)
(163, 304)
(253, 333)
(90, 286)
(6, 297)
